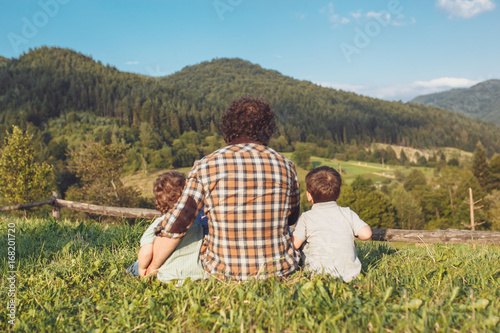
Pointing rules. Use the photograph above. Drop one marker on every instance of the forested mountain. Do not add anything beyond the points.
(481, 101)
(46, 83)
(89, 124)
(3, 61)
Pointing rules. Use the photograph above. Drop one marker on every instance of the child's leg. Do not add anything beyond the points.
(144, 256)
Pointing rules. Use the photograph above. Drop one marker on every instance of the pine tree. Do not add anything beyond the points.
(407, 208)
(414, 178)
(302, 157)
(480, 166)
(99, 169)
(22, 179)
(494, 173)
(403, 159)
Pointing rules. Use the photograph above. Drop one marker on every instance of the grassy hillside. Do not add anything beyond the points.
(143, 182)
(71, 277)
(350, 169)
(481, 101)
(412, 153)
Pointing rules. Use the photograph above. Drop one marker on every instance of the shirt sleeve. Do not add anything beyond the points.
(181, 217)
(300, 231)
(294, 197)
(356, 223)
(148, 236)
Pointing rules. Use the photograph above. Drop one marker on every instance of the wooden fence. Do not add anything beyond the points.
(449, 236)
(57, 204)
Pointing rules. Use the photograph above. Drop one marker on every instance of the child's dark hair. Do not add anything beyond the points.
(167, 189)
(323, 183)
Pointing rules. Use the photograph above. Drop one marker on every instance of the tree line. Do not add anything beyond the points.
(414, 201)
(71, 104)
(409, 202)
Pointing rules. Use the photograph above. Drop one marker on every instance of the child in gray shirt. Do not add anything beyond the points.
(329, 230)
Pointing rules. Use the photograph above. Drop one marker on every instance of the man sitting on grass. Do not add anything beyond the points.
(250, 194)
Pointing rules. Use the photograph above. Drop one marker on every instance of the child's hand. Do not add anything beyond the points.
(150, 272)
(142, 271)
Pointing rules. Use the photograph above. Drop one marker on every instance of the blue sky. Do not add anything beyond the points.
(391, 49)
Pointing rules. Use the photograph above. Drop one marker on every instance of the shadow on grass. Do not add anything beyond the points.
(46, 238)
(371, 253)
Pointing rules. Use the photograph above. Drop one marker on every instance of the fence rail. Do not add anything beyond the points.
(449, 236)
(57, 204)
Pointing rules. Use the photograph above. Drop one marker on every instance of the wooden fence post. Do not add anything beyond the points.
(56, 210)
(471, 203)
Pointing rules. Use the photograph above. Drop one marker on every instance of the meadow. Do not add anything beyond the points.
(71, 277)
(350, 170)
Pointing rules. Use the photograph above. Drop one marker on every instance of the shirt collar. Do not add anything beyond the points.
(243, 140)
(324, 204)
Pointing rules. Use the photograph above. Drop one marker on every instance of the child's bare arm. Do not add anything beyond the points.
(297, 243)
(365, 233)
(162, 249)
(144, 257)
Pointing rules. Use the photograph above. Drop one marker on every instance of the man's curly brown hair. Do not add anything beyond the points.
(248, 117)
(167, 189)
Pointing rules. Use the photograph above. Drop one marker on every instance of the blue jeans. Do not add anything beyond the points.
(134, 269)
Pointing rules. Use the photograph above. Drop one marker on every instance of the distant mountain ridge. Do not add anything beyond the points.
(48, 83)
(481, 101)
(3, 60)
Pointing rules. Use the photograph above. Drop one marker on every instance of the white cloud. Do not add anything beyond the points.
(404, 92)
(379, 15)
(135, 62)
(445, 82)
(333, 17)
(356, 15)
(465, 8)
(409, 91)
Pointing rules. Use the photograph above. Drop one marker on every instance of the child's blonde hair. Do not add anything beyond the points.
(167, 189)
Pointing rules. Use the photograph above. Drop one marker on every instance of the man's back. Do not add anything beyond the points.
(249, 190)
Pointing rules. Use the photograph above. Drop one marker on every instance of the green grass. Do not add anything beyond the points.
(377, 172)
(351, 169)
(71, 277)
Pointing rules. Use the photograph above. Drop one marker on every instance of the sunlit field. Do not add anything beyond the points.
(350, 170)
(71, 277)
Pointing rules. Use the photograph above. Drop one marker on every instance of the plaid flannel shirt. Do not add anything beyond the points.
(250, 194)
